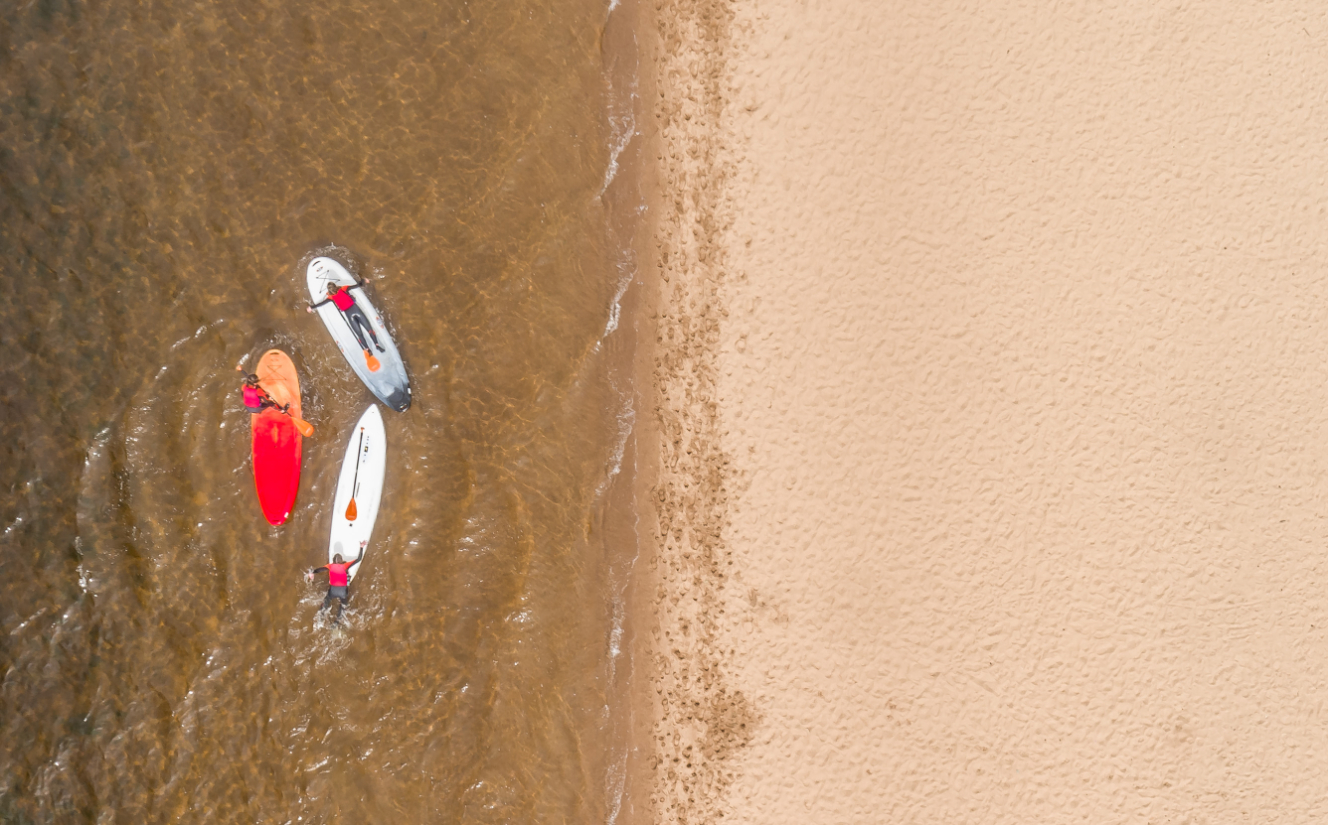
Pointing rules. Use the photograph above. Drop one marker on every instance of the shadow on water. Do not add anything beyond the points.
(167, 170)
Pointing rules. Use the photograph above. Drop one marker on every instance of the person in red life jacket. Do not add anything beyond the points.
(359, 322)
(256, 398)
(338, 578)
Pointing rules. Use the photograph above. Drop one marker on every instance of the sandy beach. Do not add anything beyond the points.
(988, 368)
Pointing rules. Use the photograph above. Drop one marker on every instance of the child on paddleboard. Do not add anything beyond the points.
(338, 578)
(256, 398)
(359, 322)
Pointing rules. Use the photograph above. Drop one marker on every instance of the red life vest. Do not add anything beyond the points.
(252, 399)
(343, 299)
(336, 574)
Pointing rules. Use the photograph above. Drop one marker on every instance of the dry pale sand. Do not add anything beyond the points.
(991, 390)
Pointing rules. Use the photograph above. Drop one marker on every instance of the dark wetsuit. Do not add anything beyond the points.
(355, 317)
(338, 580)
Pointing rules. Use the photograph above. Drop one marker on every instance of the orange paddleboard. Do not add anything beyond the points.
(277, 444)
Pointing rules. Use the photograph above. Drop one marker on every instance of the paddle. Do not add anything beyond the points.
(351, 512)
(306, 429)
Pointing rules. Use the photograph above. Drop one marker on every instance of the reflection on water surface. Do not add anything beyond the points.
(166, 170)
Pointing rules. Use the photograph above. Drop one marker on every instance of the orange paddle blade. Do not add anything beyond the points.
(351, 512)
(306, 429)
(374, 366)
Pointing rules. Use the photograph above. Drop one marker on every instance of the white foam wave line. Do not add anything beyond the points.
(617, 781)
(622, 122)
(616, 627)
(627, 270)
(616, 634)
(626, 423)
(620, 142)
(616, 774)
(623, 126)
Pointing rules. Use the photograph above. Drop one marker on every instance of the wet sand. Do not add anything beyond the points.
(988, 374)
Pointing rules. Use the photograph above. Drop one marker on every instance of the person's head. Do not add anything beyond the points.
(336, 559)
(251, 379)
(331, 287)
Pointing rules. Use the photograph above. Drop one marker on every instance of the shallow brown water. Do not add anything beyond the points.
(166, 170)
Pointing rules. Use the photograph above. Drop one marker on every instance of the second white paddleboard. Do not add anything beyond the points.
(361, 481)
(389, 382)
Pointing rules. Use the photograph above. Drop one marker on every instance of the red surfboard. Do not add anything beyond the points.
(277, 444)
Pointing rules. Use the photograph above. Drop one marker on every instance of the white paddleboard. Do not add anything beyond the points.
(362, 473)
(389, 382)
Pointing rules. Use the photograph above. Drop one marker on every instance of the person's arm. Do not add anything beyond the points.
(310, 575)
(312, 307)
(360, 556)
(265, 400)
(359, 284)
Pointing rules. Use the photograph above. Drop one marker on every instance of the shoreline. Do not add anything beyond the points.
(692, 720)
(627, 781)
